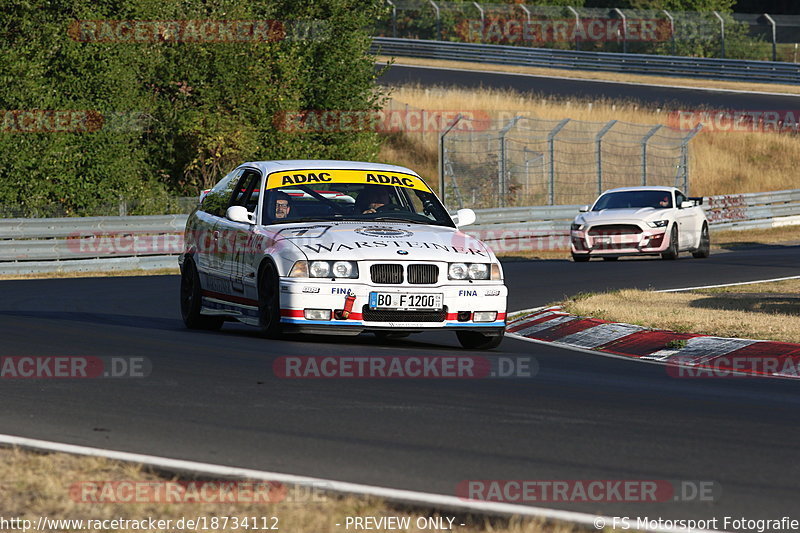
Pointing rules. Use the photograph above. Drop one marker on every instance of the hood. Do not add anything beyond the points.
(635, 214)
(383, 241)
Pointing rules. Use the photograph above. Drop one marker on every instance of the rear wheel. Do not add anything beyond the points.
(671, 252)
(704, 250)
(269, 303)
(580, 258)
(473, 340)
(191, 300)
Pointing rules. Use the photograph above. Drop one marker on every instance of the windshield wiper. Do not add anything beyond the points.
(398, 219)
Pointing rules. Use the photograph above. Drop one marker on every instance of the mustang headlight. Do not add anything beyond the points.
(658, 224)
(575, 227)
(471, 271)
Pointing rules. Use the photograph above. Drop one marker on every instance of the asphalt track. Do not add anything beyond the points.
(590, 90)
(212, 397)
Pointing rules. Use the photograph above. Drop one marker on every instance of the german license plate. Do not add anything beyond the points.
(404, 301)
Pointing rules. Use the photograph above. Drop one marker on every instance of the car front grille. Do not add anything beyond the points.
(615, 229)
(381, 315)
(423, 274)
(386, 274)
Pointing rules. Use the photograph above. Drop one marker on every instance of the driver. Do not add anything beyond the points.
(375, 197)
(664, 202)
(282, 205)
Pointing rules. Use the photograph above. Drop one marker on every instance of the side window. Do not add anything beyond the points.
(216, 201)
(247, 191)
(679, 199)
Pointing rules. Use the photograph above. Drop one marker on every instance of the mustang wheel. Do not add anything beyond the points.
(472, 340)
(580, 258)
(191, 300)
(269, 303)
(671, 252)
(704, 250)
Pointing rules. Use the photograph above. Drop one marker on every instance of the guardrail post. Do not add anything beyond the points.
(502, 185)
(721, 32)
(624, 29)
(644, 152)
(394, 18)
(551, 149)
(577, 23)
(774, 37)
(438, 21)
(598, 139)
(441, 155)
(671, 29)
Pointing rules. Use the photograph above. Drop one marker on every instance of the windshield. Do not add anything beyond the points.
(335, 195)
(634, 199)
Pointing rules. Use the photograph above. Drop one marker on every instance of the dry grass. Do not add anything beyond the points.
(755, 311)
(37, 485)
(721, 163)
(732, 239)
(607, 76)
(109, 274)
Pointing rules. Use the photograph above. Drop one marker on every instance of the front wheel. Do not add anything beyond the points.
(671, 253)
(704, 250)
(472, 340)
(191, 300)
(269, 303)
(580, 258)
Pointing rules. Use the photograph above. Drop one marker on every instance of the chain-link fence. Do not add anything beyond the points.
(531, 161)
(688, 33)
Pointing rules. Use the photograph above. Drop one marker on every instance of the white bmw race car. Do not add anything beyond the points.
(337, 247)
(640, 221)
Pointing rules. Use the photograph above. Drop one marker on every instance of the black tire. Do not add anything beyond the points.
(610, 258)
(269, 303)
(671, 253)
(705, 244)
(191, 300)
(580, 258)
(473, 340)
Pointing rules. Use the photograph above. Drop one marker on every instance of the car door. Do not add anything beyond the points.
(687, 230)
(206, 231)
(236, 260)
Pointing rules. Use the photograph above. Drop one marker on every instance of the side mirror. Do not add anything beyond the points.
(583, 209)
(465, 217)
(687, 204)
(238, 213)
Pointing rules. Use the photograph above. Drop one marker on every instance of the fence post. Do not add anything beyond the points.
(438, 21)
(624, 29)
(721, 32)
(480, 9)
(598, 139)
(671, 29)
(551, 145)
(441, 155)
(685, 157)
(774, 37)
(527, 12)
(501, 185)
(394, 18)
(577, 23)
(644, 152)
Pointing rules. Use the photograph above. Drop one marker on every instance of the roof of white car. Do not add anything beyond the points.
(268, 167)
(643, 188)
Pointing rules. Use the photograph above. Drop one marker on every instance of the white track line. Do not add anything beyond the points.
(661, 86)
(397, 495)
(728, 284)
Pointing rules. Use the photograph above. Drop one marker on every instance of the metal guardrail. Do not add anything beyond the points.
(693, 67)
(154, 242)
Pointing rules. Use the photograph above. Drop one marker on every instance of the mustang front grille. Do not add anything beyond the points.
(387, 274)
(615, 229)
(423, 274)
(381, 315)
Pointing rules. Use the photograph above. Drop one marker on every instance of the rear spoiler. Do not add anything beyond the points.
(698, 200)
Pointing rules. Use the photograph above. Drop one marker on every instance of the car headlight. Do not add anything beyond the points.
(299, 270)
(473, 271)
(575, 227)
(658, 224)
(333, 269)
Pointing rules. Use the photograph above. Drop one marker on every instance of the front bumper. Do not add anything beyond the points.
(647, 241)
(297, 295)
